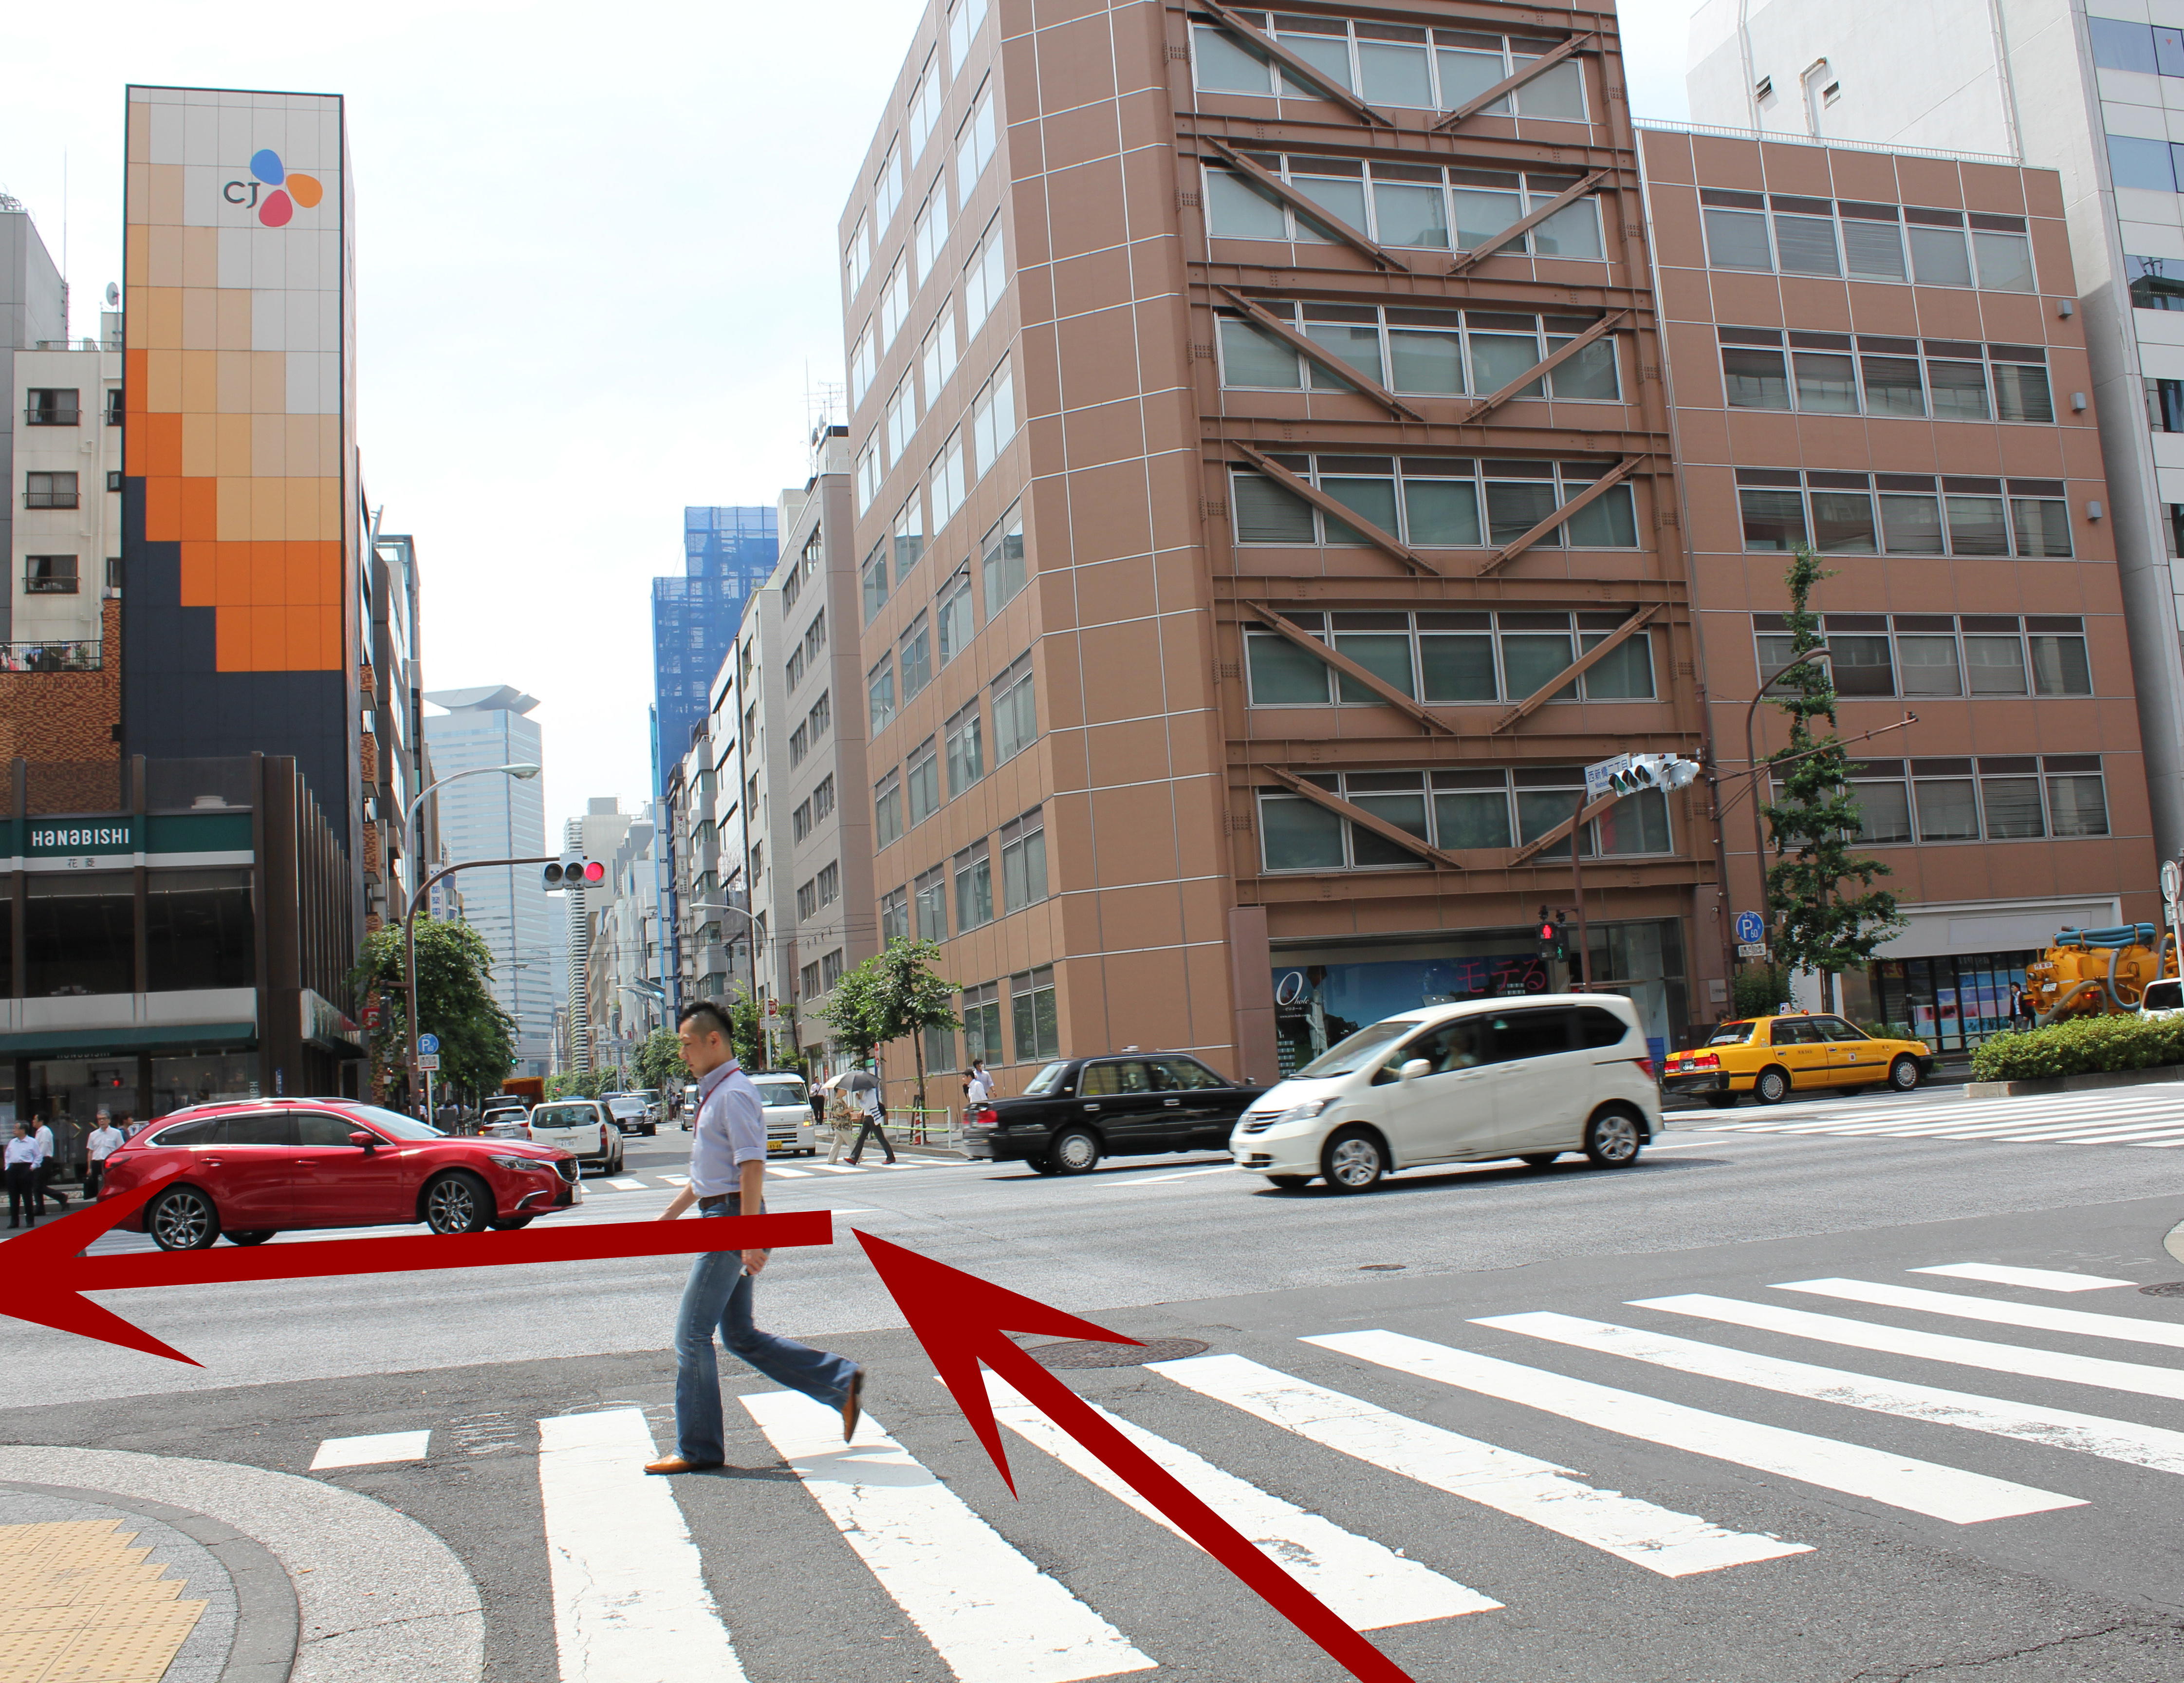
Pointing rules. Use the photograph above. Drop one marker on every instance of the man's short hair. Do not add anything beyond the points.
(709, 1018)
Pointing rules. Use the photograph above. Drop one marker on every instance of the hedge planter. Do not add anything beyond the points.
(2088, 1046)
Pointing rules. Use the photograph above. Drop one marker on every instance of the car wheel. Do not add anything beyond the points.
(1075, 1151)
(1612, 1139)
(1903, 1074)
(1721, 1101)
(1353, 1160)
(1540, 1159)
(1772, 1086)
(458, 1203)
(1290, 1183)
(182, 1219)
(256, 1237)
(512, 1223)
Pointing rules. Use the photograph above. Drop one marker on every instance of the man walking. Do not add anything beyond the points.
(979, 1085)
(727, 1177)
(22, 1166)
(48, 1167)
(101, 1145)
(875, 1122)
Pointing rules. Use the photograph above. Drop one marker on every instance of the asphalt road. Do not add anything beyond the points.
(1861, 1495)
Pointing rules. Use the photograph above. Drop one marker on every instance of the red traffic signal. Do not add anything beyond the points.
(574, 871)
(1546, 932)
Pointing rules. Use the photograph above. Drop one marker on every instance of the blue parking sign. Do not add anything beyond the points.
(1749, 928)
(429, 1044)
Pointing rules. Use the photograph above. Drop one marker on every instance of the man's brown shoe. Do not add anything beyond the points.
(853, 1405)
(675, 1463)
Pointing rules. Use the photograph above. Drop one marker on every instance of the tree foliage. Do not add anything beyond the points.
(454, 1001)
(1819, 924)
(891, 995)
(660, 1062)
(580, 1083)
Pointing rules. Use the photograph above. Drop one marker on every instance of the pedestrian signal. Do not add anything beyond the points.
(1553, 942)
(574, 871)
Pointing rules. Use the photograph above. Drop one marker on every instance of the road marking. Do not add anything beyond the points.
(2042, 1317)
(372, 1451)
(1174, 1174)
(676, 1179)
(1926, 1487)
(837, 1168)
(788, 1173)
(630, 1601)
(2153, 1446)
(629, 1186)
(1540, 1493)
(1368, 1585)
(1680, 1144)
(1929, 1346)
(990, 1613)
(2036, 1279)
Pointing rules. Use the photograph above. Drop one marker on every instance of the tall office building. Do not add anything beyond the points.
(727, 553)
(2088, 88)
(502, 817)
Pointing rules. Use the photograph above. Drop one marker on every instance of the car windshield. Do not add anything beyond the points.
(2162, 995)
(563, 1116)
(1358, 1050)
(393, 1122)
(1731, 1035)
(779, 1093)
(1048, 1080)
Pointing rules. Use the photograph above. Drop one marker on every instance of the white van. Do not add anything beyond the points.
(1529, 1078)
(788, 1124)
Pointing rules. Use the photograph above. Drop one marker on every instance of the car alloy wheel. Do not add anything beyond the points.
(455, 1203)
(1076, 1152)
(1903, 1074)
(1612, 1140)
(1353, 1161)
(1772, 1087)
(183, 1219)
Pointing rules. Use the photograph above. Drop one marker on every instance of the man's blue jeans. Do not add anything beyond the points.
(719, 1295)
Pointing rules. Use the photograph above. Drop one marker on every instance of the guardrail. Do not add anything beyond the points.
(86, 656)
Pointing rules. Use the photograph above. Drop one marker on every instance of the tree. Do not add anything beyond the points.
(1818, 925)
(660, 1062)
(454, 1001)
(580, 1083)
(890, 994)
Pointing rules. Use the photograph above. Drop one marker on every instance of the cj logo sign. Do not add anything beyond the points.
(275, 193)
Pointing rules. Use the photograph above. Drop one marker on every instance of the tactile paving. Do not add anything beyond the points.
(82, 1605)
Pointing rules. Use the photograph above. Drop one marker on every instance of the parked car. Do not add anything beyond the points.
(1770, 1057)
(689, 1105)
(654, 1103)
(1078, 1111)
(1467, 1083)
(2162, 998)
(631, 1113)
(499, 1107)
(256, 1168)
(583, 1127)
(789, 1126)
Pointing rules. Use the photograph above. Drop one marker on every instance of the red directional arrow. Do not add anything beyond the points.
(48, 1275)
(962, 1320)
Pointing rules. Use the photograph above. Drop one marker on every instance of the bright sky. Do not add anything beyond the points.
(596, 277)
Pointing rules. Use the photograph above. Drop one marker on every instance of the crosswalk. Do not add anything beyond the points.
(811, 1169)
(1689, 1380)
(2151, 1116)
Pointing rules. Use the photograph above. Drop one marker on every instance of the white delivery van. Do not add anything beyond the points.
(788, 1124)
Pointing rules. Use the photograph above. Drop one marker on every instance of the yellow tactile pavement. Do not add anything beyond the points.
(79, 1605)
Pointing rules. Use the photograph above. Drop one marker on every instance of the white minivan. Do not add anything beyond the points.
(788, 1121)
(1529, 1078)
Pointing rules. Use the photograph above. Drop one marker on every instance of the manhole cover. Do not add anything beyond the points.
(1380, 1268)
(1086, 1352)
(2167, 1288)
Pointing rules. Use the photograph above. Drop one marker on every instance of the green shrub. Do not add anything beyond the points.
(2082, 1046)
(1758, 989)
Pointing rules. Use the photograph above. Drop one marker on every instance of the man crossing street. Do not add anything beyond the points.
(727, 1177)
(100, 1146)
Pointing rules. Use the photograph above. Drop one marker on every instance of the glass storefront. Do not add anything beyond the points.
(201, 1078)
(1325, 991)
(1951, 1002)
(70, 1093)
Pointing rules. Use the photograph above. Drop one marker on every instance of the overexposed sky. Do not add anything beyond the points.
(596, 277)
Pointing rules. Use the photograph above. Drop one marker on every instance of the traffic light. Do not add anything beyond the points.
(574, 871)
(1653, 771)
(1554, 941)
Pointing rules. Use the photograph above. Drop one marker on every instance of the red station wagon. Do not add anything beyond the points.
(256, 1168)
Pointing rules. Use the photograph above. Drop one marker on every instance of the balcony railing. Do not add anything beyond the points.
(51, 500)
(86, 656)
(52, 414)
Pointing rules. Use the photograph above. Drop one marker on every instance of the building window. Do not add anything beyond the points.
(974, 141)
(954, 615)
(895, 917)
(49, 575)
(1002, 560)
(985, 277)
(886, 809)
(808, 977)
(901, 418)
(868, 472)
(875, 580)
(1866, 242)
(924, 104)
(930, 895)
(864, 359)
(113, 572)
(807, 901)
(915, 648)
(1442, 658)
(974, 887)
(924, 782)
(113, 406)
(79, 934)
(199, 931)
(799, 743)
(2164, 405)
(879, 691)
(1434, 503)
(830, 970)
(1425, 352)
(49, 491)
(1835, 513)
(829, 884)
(1023, 861)
(966, 753)
(929, 232)
(1036, 1022)
(799, 822)
(993, 420)
(894, 303)
(1390, 65)
(1826, 373)
(908, 536)
(945, 480)
(936, 358)
(793, 673)
(1408, 206)
(2152, 285)
(964, 17)
(856, 260)
(46, 406)
(1911, 655)
(1016, 710)
(887, 188)
(1992, 799)
(820, 716)
(982, 1024)
(822, 798)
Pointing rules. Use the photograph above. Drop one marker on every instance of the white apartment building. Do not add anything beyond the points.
(599, 834)
(622, 954)
(65, 537)
(772, 736)
(2093, 89)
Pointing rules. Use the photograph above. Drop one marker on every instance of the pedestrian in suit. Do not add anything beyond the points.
(48, 1166)
(875, 1122)
(22, 1165)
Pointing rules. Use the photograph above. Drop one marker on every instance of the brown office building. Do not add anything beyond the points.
(1880, 353)
(1263, 476)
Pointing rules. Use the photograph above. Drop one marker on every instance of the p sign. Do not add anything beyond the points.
(1749, 928)
(428, 1044)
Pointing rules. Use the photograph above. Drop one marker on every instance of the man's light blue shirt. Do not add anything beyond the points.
(730, 1131)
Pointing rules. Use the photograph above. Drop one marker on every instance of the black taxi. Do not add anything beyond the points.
(1077, 1110)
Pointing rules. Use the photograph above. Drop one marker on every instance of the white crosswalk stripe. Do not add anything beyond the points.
(988, 1611)
(2042, 1317)
(1368, 1585)
(2152, 1446)
(1926, 1487)
(2151, 1118)
(2038, 1280)
(1674, 1545)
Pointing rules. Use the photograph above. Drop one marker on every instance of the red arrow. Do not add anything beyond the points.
(47, 1274)
(962, 1320)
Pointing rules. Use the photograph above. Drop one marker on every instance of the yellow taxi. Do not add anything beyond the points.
(1770, 1057)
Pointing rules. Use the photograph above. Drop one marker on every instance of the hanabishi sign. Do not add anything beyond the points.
(122, 836)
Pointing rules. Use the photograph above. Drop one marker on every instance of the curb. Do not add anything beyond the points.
(266, 1620)
(2075, 1083)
